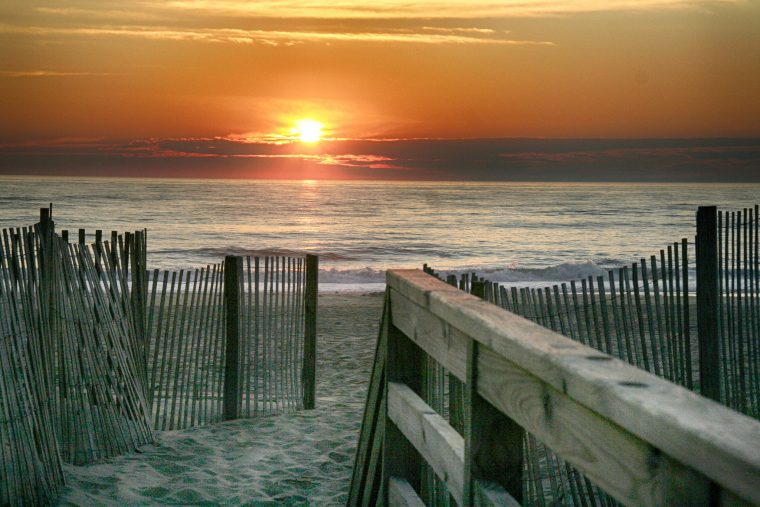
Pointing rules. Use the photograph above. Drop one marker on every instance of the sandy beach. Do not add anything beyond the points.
(303, 458)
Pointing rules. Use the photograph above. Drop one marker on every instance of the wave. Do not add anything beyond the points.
(508, 275)
(563, 272)
(221, 252)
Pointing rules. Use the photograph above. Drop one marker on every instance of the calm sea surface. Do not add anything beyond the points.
(516, 232)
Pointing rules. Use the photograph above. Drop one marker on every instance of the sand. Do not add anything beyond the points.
(303, 458)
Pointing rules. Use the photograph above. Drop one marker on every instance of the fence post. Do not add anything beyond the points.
(493, 443)
(708, 301)
(45, 259)
(309, 369)
(233, 266)
(478, 289)
(138, 295)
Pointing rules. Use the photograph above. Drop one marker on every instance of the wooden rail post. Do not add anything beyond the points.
(139, 296)
(708, 301)
(45, 221)
(404, 364)
(309, 369)
(47, 230)
(493, 443)
(233, 267)
(478, 289)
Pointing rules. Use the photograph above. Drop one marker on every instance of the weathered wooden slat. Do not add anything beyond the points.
(402, 494)
(708, 301)
(493, 441)
(404, 363)
(372, 419)
(452, 353)
(308, 375)
(232, 269)
(434, 438)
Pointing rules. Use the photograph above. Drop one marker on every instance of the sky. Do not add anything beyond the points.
(654, 90)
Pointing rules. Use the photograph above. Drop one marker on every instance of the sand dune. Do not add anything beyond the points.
(295, 459)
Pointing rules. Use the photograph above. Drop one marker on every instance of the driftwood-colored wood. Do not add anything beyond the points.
(402, 494)
(432, 437)
(493, 443)
(493, 451)
(404, 363)
(371, 434)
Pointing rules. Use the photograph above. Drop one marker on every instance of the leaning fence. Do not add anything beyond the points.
(735, 317)
(703, 334)
(96, 354)
(70, 363)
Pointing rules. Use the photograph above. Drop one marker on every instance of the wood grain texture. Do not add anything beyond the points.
(433, 437)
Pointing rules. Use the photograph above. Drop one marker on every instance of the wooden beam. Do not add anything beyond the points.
(425, 330)
(708, 301)
(490, 494)
(233, 266)
(309, 369)
(402, 494)
(493, 441)
(371, 422)
(433, 437)
(404, 363)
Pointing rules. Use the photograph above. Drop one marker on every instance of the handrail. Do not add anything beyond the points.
(642, 439)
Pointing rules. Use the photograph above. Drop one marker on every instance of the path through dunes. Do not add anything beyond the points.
(290, 459)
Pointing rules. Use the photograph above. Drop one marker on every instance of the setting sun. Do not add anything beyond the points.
(308, 131)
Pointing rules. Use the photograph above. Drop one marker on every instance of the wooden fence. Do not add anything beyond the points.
(638, 438)
(70, 373)
(730, 344)
(94, 356)
(703, 336)
(30, 464)
(241, 322)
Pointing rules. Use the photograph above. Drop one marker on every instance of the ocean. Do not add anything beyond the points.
(516, 233)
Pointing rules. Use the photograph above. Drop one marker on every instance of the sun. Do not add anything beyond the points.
(308, 131)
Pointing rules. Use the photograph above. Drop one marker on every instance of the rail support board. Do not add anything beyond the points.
(404, 364)
(493, 450)
(233, 266)
(708, 301)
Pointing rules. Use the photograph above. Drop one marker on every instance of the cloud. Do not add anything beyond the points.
(50, 73)
(663, 160)
(273, 37)
(430, 9)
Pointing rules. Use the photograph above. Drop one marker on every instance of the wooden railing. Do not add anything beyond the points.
(642, 439)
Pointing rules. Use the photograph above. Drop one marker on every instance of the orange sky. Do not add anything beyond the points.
(91, 70)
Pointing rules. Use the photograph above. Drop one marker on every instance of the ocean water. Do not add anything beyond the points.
(518, 233)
